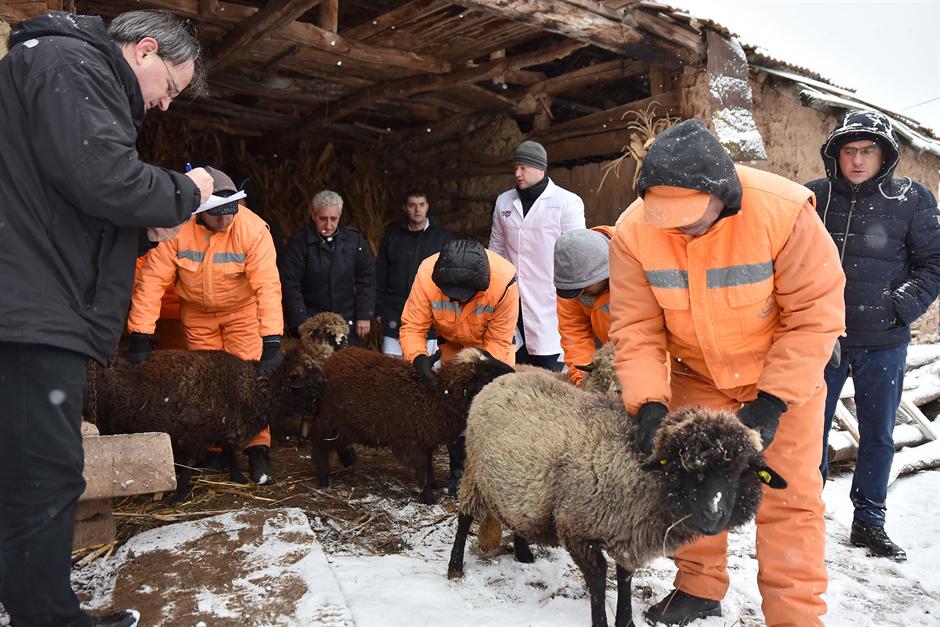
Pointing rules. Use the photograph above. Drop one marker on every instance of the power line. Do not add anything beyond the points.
(921, 103)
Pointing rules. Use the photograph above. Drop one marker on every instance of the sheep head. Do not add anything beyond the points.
(467, 373)
(713, 468)
(325, 329)
(601, 375)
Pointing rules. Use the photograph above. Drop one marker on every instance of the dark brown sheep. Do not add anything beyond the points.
(199, 398)
(378, 400)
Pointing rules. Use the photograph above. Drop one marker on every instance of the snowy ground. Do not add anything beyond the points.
(338, 584)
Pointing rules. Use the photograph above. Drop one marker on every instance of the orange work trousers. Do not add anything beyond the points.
(236, 332)
(791, 530)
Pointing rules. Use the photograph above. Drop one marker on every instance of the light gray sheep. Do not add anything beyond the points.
(559, 465)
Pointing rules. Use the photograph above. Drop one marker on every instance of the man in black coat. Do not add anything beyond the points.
(402, 250)
(78, 205)
(328, 266)
(887, 231)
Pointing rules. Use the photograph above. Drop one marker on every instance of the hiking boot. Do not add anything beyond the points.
(876, 541)
(681, 608)
(125, 618)
(259, 464)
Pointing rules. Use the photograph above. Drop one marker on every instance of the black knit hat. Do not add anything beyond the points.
(462, 269)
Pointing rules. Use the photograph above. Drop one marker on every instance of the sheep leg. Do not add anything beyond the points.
(347, 456)
(231, 462)
(425, 472)
(321, 460)
(183, 484)
(520, 546)
(455, 567)
(589, 558)
(624, 616)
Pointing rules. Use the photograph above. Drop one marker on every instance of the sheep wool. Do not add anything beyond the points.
(379, 401)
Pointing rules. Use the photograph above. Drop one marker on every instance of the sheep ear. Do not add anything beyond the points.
(770, 477)
(655, 463)
(586, 367)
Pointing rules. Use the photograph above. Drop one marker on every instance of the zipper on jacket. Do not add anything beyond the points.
(848, 224)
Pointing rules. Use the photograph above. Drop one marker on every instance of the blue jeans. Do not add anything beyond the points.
(878, 376)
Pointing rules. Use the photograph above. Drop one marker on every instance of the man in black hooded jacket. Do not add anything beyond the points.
(78, 205)
(887, 231)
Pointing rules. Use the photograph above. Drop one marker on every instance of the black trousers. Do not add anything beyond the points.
(549, 362)
(41, 461)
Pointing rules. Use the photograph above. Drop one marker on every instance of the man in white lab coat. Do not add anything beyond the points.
(526, 222)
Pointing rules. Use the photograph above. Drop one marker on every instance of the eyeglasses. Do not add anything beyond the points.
(867, 152)
(173, 89)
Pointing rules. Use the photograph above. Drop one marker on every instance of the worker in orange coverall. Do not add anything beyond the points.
(582, 283)
(223, 267)
(730, 271)
(169, 332)
(471, 298)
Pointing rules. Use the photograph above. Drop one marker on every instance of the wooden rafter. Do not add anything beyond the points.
(408, 86)
(329, 15)
(394, 19)
(272, 17)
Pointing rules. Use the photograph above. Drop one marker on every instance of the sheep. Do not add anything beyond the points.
(378, 400)
(559, 465)
(601, 375)
(199, 398)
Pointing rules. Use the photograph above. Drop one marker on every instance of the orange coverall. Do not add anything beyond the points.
(582, 321)
(487, 321)
(169, 330)
(228, 286)
(755, 303)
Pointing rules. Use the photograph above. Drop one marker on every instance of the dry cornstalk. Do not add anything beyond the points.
(644, 129)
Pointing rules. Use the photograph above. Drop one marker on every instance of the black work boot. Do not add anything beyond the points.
(458, 455)
(681, 608)
(259, 464)
(876, 541)
(125, 618)
(213, 462)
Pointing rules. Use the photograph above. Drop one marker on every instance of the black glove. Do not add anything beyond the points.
(648, 420)
(140, 348)
(763, 415)
(422, 365)
(271, 355)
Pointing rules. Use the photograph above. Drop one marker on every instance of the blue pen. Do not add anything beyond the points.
(189, 167)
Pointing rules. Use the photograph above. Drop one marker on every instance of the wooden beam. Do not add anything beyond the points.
(272, 17)
(329, 15)
(604, 121)
(209, 7)
(394, 19)
(287, 52)
(403, 88)
(589, 75)
(599, 27)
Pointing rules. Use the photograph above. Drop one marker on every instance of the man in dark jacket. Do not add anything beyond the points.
(328, 266)
(402, 250)
(76, 210)
(887, 231)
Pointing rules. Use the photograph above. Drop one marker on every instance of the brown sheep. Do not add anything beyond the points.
(378, 400)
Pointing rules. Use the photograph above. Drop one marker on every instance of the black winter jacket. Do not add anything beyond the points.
(887, 231)
(400, 254)
(76, 197)
(317, 277)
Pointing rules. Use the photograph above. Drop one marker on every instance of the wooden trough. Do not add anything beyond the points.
(118, 465)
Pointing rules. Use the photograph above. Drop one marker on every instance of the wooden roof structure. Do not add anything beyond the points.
(362, 70)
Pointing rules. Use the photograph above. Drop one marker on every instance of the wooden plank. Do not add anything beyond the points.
(328, 19)
(122, 465)
(397, 18)
(917, 416)
(590, 75)
(209, 8)
(603, 121)
(845, 418)
(273, 16)
(603, 30)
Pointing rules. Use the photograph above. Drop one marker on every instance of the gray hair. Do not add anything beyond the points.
(175, 37)
(326, 198)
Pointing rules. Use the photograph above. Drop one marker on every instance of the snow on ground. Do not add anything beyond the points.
(411, 587)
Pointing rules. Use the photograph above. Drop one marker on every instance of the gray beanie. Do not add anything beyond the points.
(531, 153)
(580, 261)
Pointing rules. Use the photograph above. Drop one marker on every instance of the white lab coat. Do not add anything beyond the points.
(529, 243)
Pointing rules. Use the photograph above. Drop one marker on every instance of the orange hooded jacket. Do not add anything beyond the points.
(212, 273)
(582, 321)
(758, 299)
(487, 321)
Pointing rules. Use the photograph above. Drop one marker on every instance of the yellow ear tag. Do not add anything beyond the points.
(664, 461)
(765, 476)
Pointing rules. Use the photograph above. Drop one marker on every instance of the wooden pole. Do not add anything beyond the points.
(329, 15)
